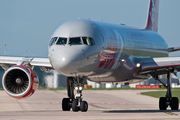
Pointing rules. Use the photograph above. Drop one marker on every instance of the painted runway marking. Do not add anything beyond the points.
(98, 106)
(170, 113)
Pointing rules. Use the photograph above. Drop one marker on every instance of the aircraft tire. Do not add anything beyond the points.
(174, 103)
(84, 106)
(65, 104)
(74, 105)
(162, 103)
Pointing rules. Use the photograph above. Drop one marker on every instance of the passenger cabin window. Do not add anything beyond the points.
(53, 41)
(61, 41)
(75, 41)
(88, 41)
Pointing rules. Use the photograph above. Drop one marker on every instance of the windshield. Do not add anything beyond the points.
(72, 41)
(53, 41)
(75, 41)
(61, 41)
(88, 41)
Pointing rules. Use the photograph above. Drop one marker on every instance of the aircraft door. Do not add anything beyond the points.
(101, 36)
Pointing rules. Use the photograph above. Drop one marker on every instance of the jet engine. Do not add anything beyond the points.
(20, 81)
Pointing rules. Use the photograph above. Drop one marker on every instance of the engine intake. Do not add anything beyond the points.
(20, 81)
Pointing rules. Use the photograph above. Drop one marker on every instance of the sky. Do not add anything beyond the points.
(26, 26)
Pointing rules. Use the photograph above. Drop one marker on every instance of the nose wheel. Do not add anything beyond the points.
(75, 107)
(74, 101)
(83, 106)
(66, 104)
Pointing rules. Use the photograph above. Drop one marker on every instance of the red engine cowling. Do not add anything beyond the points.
(20, 82)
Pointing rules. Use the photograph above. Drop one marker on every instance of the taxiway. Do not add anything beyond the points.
(103, 105)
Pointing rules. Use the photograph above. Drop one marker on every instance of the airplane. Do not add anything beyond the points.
(83, 49)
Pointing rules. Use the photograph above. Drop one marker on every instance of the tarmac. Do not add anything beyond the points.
(103, 105)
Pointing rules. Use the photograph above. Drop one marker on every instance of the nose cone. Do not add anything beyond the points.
(68, 60)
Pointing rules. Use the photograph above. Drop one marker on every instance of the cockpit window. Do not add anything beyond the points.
(61, 41)
(88, 41)
(75, 41)
(92, 41)
(53, 41)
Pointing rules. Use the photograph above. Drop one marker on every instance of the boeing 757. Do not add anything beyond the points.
(100, 52)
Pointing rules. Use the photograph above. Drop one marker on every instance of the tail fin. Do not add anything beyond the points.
(152, 16)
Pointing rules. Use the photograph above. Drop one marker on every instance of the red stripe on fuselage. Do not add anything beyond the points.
(107, 59)
(107, 56)
(114, 55)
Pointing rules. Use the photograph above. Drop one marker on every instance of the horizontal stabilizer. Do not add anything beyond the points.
(173, 49)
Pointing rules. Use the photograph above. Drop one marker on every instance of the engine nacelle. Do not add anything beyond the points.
(20, 82)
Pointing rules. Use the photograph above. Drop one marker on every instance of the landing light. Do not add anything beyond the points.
(138, 65)
(80, 88)
(63, 59)
(76, 88)
(122, 60)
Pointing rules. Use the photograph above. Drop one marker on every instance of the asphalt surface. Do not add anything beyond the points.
(103, 105)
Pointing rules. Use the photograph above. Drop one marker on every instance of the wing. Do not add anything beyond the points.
(159, 66)
(43, 63)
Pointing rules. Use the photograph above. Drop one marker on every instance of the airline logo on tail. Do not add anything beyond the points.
(152, 16)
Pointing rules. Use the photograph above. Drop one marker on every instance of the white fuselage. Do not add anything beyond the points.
(113, 56)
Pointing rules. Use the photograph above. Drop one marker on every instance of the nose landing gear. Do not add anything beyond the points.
(74, 101)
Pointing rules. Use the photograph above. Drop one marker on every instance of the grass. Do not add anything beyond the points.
(47, 88)
(125, 88)
(158, 94)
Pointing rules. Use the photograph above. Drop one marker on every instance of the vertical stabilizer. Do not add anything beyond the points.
(152, 16)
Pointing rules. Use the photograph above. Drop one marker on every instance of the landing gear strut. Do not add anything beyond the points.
(164, 102)
(74, 101)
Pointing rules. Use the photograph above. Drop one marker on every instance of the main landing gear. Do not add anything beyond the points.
(74, 101)
(164, 102)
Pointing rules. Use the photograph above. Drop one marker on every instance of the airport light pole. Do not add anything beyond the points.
(5, 53)
(25, 52)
